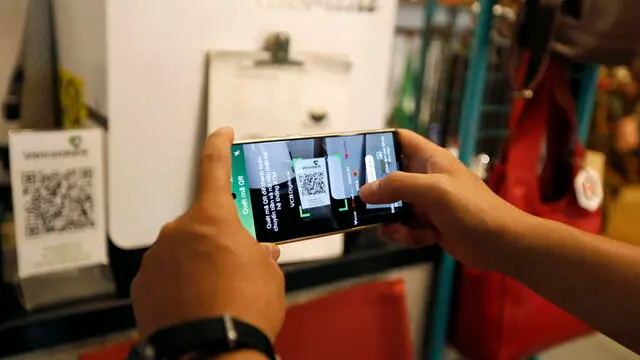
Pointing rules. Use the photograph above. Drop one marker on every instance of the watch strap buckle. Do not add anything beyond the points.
(230, 331)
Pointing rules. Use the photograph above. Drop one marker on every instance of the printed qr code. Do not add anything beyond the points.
(58, 201)
(313, 184)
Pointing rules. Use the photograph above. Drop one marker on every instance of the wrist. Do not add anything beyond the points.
(516, 244)
(222, 337)
(508, 240)
(242, 355)
(236, 355)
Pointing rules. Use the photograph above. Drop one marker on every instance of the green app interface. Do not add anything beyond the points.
(285, 190)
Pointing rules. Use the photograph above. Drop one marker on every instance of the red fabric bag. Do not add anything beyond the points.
(368, 321)
(119, 351)
(497, 317)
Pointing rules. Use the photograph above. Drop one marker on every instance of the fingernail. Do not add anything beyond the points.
(227, 129)
(271, 249)
(274, 252)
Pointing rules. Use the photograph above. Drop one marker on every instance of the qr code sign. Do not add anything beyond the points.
(58, 201)
(313, 184)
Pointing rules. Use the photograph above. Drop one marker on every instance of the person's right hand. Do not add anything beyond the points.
(452, 206)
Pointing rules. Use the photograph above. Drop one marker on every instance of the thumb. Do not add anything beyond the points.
(272, 250)
(398, 186)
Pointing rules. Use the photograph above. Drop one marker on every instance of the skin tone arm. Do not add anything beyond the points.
(209, 265)
(205, 264)
(595, 278)
(243, 355)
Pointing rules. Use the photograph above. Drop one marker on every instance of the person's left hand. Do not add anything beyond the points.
(205, 264)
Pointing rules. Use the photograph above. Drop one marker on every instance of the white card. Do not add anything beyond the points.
(279, 100)
(262, 101)
(58, 195)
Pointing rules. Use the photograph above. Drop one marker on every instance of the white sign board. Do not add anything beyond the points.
(59, 202)
(259, 99)
(262, 100)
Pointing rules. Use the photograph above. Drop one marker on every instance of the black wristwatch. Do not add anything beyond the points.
(204, 338)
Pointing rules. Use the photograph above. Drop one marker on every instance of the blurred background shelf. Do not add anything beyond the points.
(21, 332)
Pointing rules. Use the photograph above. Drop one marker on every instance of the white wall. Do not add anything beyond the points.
(156, 72)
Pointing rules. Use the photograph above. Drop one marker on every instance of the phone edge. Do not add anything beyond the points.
(319, 135)
(397, 146)
(359, 228)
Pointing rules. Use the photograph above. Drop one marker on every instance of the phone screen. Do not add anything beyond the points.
(290, 189)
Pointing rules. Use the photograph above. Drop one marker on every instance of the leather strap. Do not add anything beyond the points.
(209, 337)
(535, 28)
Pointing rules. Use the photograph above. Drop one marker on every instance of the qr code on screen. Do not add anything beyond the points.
(313, 184)
(58, 201)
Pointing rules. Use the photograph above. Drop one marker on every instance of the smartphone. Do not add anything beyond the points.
(298, 188)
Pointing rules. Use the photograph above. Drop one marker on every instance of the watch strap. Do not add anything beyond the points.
(203, 337)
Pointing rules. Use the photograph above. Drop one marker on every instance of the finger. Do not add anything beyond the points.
(415, 145)
(423, 156)
(402, 186)
(403, 235)
(215, 166)
(271, 249)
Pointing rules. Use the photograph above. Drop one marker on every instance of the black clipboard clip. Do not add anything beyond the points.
(278, 44)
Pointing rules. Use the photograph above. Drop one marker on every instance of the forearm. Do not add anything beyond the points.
(242, 355)
(595, 278)
(238, 355)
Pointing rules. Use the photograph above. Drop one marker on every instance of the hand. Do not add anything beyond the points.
(205, 264)
(453, 207)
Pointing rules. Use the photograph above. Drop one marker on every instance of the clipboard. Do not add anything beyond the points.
(274, 93)
(267, 93)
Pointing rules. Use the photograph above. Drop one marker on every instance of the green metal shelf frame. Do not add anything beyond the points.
(469, 133)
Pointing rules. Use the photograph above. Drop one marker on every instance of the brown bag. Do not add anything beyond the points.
(600, 31)
(596, 31)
